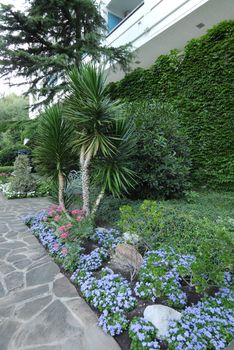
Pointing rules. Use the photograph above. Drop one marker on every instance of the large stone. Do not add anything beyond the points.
(127, 258)
(160, 316)
(42, 274)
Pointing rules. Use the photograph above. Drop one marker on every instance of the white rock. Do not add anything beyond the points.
(130, 237)
(160, 316)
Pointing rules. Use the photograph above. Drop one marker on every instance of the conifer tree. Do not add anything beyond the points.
(42, 42)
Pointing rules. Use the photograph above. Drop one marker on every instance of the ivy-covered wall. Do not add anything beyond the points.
(199, 83)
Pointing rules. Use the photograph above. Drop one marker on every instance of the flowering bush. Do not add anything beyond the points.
(143, 335)
(207, 325)
(161, 274)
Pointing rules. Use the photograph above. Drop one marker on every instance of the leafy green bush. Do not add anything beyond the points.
(199, 84)
(162, 155)
(22, 181)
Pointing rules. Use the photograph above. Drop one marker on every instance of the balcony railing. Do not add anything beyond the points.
(126, 18)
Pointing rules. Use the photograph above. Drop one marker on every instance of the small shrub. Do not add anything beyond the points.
(22, 181)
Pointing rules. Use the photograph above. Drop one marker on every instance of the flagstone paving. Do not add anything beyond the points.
(39, 307)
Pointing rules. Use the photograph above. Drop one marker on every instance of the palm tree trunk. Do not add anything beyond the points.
(98, 201)
(61, 189)
(85, 163)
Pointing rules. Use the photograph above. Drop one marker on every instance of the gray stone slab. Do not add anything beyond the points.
(3, 252)
(53, 323)
(12, 245)
(14, 280)
(6, 268)
(28, 310)
(27, 294)
(6, 311)
(22, 264)
(63, 288)
(16, 257)
(2, 291)
(7, 330)
(42, 274)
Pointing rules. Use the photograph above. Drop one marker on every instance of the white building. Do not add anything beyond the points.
(155, 27)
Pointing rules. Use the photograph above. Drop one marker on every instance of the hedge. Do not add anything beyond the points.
(198, 83)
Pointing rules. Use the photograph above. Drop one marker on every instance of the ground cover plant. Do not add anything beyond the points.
(165, 277)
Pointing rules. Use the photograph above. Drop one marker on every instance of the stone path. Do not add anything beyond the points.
(39, 308)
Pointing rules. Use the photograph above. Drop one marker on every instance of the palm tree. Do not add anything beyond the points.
(98, 122)
(54, 147)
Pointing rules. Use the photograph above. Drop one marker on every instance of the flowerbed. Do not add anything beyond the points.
(165, 277)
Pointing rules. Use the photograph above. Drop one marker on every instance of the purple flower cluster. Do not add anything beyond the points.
(143, 334)
(112, 295)
(88, 263)
(113, 324)
(207, 325)
(160, 276)
(107, 238)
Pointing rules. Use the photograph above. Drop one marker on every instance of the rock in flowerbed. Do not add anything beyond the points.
(127, 258)
(161, 316)
(207, 325)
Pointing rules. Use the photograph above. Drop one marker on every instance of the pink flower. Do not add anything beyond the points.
(56, 246)
(77, 212)
(64, 251)
(59, 208)
(79, 218)
(69, 226)
(64, 235)
(57, 218)
(62, 228)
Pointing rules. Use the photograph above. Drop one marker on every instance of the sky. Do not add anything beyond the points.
(4, 87)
